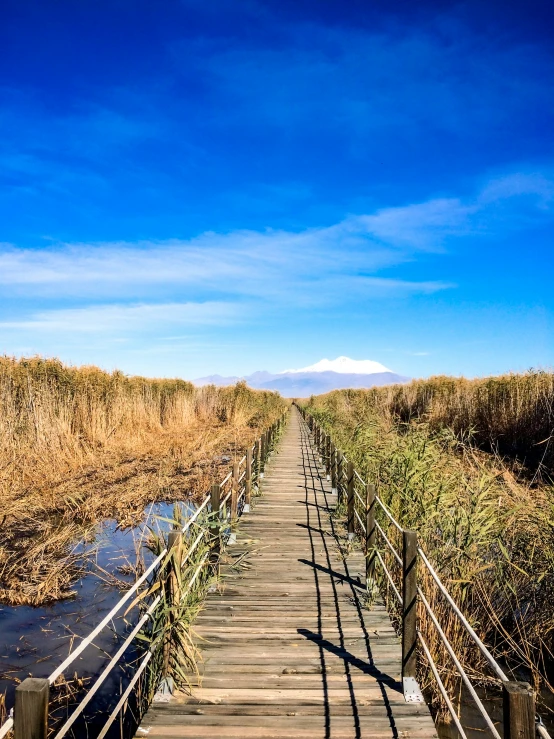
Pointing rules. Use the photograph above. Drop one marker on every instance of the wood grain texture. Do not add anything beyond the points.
(289, 648)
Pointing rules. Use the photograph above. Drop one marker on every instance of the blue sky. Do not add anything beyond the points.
(195, 187)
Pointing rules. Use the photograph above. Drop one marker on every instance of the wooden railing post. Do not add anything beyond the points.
(248, 482)
(31, 709)
(171, 596)
(370, 537)
(339, 477)
(518, 701)
(350, 499)
(409, 603)
(328, 456)
(215, 499)
(333, 469)
(257, 452)
(234, 493)
(262, 455)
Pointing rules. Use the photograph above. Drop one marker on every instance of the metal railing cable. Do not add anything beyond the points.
(360, 520)
(389, 576)
(388, 514)
(388, 543)
(198, 511)
(482, 648)
(126, 693)
(226, 479)
(442, 689)
(225, 499)
(458, 665)
(196, 573)
(106, 671)
(106, 620)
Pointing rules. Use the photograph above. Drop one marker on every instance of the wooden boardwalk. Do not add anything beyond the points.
(289, 649)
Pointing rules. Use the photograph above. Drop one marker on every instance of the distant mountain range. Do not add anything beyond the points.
(317, 379)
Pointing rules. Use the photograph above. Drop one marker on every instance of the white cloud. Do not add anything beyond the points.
(302, 266)
(423, 225)
(519, 184)
(125, 319)
(217, 278)
(265, 264)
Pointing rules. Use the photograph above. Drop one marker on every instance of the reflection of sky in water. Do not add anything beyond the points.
(34, 641)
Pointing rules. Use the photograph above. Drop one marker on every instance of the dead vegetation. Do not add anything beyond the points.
(79, 445)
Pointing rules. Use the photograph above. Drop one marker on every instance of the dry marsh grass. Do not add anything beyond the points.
(512, 415)
(79, 445)
(488, 529)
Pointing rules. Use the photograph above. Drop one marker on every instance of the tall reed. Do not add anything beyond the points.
(511, 414)
(489, 534)
(78, 445)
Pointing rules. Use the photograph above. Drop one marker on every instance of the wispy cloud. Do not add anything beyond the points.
(272, 264)
(423, 225)
(263, 264)
(156, 293)
(125, 319)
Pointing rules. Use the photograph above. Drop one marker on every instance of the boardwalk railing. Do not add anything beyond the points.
(205, 530)
(393, 557)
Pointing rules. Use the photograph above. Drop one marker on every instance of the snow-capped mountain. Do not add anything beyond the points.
(344, 366)
(318, 378)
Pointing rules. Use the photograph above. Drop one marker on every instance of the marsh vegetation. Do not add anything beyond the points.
(79, 446)
(468, 465)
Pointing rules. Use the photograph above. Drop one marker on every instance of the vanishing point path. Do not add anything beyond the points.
(289, 648)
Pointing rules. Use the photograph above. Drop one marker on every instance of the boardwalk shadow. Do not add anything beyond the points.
(346, 656)
(355, 582)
